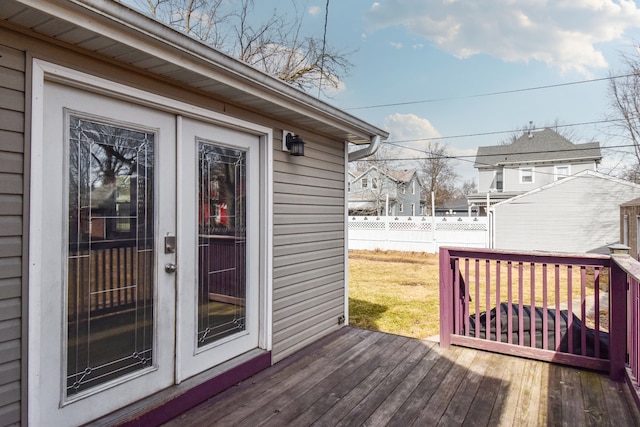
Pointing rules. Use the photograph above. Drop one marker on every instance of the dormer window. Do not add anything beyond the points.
(526, 175)
(562, 171)
(365, 183)
(499, 180)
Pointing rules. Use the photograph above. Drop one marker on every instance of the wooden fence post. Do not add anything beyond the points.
(446, 299)
(618, 319)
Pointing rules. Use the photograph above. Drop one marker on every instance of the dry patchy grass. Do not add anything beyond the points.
(394, 292)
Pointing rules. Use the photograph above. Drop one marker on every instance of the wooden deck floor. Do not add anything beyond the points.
(358, 377)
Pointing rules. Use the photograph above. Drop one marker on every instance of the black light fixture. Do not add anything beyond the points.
(294, 144)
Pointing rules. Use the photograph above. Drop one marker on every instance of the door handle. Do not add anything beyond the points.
(170, 268)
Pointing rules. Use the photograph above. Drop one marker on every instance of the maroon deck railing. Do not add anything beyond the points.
(580, 310)
(627, 271)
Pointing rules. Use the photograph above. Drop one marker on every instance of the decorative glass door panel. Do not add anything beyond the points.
(221, 242)
(103, 313)
(218, 244)
(110, 265)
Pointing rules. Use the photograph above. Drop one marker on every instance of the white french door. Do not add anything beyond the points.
(218, 245)
(145, 240)
(106, 199)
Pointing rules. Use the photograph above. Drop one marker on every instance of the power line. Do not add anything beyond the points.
(324, 44)
(481, 95)
(498, 132)
(465, 157)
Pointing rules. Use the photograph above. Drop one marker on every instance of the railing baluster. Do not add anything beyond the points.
(466, 296)
(545, 309)
(510, 302)
(596, 308)
(456, 296)
(557, 319)
(487, 293)
(498, 311)
(520, 307)
(477, 316)
(583, 310)
(634, 348)
(570, 308)
(532, 285)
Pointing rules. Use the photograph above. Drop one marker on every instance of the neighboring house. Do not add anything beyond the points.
(537, 158)
(157, 241)
(580, 213)
(371, 192)
(630, 226)
(458, 207)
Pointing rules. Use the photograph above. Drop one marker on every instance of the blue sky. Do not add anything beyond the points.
(413, 50)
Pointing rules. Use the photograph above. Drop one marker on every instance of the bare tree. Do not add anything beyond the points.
(624, 98)
(274, 45)
(468, 187)
(438, 170)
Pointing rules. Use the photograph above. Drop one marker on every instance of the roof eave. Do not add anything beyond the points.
(124, 25)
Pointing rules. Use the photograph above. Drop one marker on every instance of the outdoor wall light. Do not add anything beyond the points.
(294, 144)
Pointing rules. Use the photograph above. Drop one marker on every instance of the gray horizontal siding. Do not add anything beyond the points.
(12, 103)
(308, 244)
(579, 214)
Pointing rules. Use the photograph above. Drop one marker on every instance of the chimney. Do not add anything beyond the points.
(530, 133)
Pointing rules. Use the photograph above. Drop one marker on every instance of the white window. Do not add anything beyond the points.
(413, 187)
(365, 183)
(401, 209)
(403, 189)
(413, 209)
(499, 180)
(349, 187)
(562, 171)
(527, 175)
(374, 182)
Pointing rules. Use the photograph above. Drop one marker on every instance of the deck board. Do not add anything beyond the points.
(357, 377)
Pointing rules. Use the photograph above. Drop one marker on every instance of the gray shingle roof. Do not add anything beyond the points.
(400, 175)
(544, 145)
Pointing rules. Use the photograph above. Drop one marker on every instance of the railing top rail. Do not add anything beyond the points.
(628, 265)
(540, 257)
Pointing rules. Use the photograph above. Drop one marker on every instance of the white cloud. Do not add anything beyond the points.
(331, 91)
(314, 10)
(396, 45)
(562, 33)
(403, 127)
(409, 131)
(415, 132)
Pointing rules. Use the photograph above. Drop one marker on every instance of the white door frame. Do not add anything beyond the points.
(42, 71)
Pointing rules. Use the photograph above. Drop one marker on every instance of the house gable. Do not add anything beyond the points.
(370, 191)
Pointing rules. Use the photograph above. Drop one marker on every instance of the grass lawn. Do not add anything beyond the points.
(394, 292)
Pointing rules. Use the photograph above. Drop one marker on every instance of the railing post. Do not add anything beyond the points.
(446, 299)
(618, 320)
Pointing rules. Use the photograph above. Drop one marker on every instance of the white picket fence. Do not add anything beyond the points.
(417, 234)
